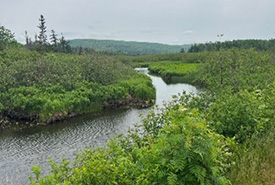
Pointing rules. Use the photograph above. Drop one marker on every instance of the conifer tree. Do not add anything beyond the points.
(28, 40)
(53, 38)
(35, 38)
(64, 45)
(6, 37)
(42, 34)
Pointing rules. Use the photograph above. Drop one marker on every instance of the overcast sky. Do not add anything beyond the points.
(163, 21)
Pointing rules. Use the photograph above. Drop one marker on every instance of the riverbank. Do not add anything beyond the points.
(130, 102)
(172, 72)
(50, 87)
(34, 145)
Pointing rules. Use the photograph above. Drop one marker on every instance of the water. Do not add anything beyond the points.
(21, 149)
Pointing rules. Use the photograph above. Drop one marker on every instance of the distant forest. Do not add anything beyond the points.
(52, 43)
(143, 48)
(259, 45)
(125, 47)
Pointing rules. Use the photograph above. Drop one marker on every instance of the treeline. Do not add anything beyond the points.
(127, 47)
(44, 43)
(259, 45)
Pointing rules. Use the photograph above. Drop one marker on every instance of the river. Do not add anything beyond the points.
(23, 148)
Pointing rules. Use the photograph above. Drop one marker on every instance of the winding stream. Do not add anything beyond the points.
(21, 149)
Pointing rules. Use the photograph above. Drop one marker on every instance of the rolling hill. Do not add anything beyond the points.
(127, 47)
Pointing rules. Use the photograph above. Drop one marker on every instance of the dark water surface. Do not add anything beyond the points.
(21, 149)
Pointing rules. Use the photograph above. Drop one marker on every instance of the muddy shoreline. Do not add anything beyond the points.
(14, 121)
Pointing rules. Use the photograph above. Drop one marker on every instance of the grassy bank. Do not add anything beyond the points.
(172, 71)
(255, 163)
(49, 87)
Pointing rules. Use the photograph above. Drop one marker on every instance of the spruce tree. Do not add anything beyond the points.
(42, 34)
(53, 38)
(64, 45)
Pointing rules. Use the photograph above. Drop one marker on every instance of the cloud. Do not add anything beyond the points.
(166, 21)
(187, 32)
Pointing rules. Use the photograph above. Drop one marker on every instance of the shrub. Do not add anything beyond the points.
(181, 150)
(239, 115)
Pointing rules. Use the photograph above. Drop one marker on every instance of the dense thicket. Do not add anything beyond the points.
(260, 45)
(50, 86)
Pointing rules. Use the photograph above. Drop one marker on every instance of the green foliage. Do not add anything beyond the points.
(240, 115)
(6, 38)
(188, 141)
(168, 68)
(236, 69)
(37, 171)
(142, 91)
(175, 57)
(255, 161)
(172, 71)
(184, 151)
(41, 43)
(260, 45)
(50, 86)
(1, 107)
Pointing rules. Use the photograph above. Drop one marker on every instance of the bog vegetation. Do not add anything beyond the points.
(45, 87)
(49, 86)
(222, 136)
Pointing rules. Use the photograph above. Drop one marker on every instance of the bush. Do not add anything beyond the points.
(181, 150)
(44, 86)
(236, 69)
(239, 115)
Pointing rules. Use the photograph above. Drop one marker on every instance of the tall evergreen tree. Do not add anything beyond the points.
(53, 38)
(28, 40)
(42, 34)
(35, 38)
(64, 45)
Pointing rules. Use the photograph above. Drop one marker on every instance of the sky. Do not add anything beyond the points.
(164, 21)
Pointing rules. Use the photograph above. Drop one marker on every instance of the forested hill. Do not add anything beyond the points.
(259, 45)
(127, 47)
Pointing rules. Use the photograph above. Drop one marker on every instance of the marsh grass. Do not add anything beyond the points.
(255, 164)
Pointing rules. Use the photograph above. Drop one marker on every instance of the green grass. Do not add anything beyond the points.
(255, 164)
(173, 69)
(169, 68)
(172, 72)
